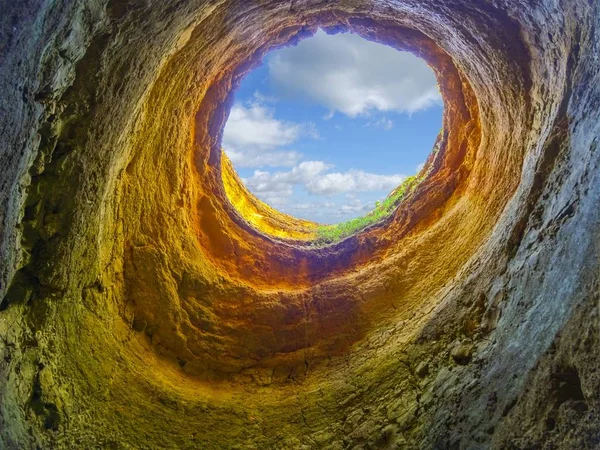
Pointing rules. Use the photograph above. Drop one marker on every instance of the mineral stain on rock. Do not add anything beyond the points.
(143, 307)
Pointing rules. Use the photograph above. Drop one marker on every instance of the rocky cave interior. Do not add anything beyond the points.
(141, 308)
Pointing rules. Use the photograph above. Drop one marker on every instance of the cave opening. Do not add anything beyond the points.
(142, 308)
(334, 131)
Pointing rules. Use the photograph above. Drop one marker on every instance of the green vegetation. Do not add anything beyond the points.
(327, 234)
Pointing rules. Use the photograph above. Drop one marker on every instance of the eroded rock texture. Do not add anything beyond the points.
(140, 309)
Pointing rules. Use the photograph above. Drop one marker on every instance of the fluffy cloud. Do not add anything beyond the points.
(354, 206)
(314, 177)
(349, 74)
(329, 211)
(280, 184)
(254, 138)
(250, 158)
(352, 181)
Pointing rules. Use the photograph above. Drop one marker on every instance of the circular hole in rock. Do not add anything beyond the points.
(329, 136)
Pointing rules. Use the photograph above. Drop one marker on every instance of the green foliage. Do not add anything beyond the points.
(327, 234)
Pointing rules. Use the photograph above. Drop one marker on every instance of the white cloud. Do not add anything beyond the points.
(355, 205)
(352, 181)
(280, 184)
(254, 138)
(327, 211)
(349, 74)
(254, 126)
(262, 159)
(314, 178)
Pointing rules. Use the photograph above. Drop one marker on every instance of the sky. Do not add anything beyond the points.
(324, 129)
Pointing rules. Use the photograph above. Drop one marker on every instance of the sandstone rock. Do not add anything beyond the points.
(462, 353)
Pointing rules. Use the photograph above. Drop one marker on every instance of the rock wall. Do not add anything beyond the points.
(140, 309)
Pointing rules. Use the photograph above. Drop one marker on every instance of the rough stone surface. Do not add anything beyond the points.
(138, 309)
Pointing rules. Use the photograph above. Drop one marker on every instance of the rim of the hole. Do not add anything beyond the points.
(435, 197)
(460, 140)
(313, 239)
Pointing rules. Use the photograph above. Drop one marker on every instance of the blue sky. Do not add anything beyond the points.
(324, 129)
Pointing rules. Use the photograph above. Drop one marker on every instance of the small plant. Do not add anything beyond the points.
(327, 234)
